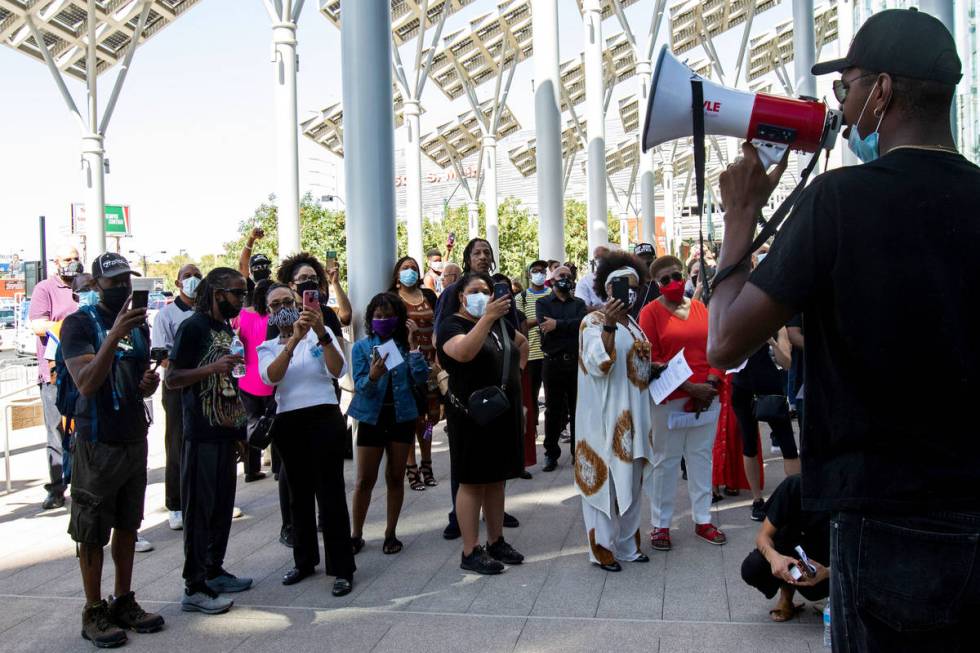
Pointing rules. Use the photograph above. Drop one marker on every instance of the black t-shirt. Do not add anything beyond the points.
(881, 260)
(122, 415)
(486, 368)
(213, 408)
(796, 526)
(797, 368)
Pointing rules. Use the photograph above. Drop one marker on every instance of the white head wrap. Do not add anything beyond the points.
(622, 272)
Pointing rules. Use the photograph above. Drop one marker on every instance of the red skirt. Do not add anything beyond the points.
(727, 466)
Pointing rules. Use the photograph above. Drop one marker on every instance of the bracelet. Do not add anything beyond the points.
(325, 339)
(609, 329)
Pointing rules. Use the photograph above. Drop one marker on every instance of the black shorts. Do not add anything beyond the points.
(386, 431)
(107, 489)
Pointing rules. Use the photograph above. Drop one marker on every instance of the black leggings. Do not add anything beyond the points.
(782, 429)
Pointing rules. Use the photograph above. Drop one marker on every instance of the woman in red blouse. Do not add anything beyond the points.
(684, 425)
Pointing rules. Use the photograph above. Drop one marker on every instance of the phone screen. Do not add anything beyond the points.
(141, 298)
(501, 289)
(621, 290)
(331, 259)
(311, 300)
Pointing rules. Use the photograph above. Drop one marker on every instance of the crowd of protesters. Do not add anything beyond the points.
(247, 360)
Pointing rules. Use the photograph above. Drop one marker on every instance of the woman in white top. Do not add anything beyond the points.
(613, 419)
(309, 433)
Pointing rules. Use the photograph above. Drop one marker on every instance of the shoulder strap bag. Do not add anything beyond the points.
(487, 404)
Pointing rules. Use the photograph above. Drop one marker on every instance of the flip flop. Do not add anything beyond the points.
(780, 615)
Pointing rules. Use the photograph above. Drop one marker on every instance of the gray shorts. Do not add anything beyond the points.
(107, 489)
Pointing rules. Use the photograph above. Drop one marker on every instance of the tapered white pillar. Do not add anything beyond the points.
(369, 149)
(669, 227)
(473, 220)
(413, 180)
(93, 185)
(287, 137)
(646, 179)
(596, 118)
(490, 194)
(547, 130)
(624, 230)
(945, 11)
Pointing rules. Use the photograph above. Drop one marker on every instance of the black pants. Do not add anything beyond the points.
(782, 429)
(173, 443)
(207, 488)
(311, 442)
(534, 369)
(284, 510)
(904, 583)
(560, 394)
(255, 408)
(757, 572)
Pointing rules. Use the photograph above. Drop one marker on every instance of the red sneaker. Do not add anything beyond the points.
(709, 533)
(660, 539)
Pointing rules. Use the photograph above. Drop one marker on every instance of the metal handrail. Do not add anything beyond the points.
(6, 433)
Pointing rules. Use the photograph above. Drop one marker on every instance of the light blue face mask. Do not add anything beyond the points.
(476, 304)
(88, 298)
(408, 277)
(189, 286)
(866, 148)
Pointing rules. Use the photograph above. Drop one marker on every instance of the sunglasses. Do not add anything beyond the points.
(841, 87)
(673, 276)
(237, 292)
(304, 278)
(286, 303)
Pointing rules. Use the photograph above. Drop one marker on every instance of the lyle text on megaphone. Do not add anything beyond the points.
(770, 122)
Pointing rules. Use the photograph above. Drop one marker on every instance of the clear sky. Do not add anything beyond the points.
(191, 144)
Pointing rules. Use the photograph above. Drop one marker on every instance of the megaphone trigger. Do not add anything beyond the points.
(769, 153)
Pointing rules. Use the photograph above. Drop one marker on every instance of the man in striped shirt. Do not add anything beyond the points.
(537, 275)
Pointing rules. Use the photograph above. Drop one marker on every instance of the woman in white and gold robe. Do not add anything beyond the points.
(613, 421)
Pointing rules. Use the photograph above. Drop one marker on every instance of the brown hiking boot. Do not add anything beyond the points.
(125, 612)
(99, 629)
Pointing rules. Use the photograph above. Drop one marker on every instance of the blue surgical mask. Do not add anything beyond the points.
(476, 304)
(408, 277)
(88, 298)
(866, 148)
(189, 286)
(538, 278)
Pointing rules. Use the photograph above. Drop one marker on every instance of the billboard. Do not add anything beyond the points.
(117, 220)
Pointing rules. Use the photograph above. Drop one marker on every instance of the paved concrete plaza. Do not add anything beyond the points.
(690, 599)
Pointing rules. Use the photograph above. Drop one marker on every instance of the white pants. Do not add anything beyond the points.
(617, 535)
(669, 445)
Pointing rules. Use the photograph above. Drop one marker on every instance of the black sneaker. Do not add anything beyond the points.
(451, 532)
(53, 501)
(510, 521)
(286, 536)
(125, 612)
(480, 562)
(98, 628)
(504, 552)
(758, 510)
(550, 464)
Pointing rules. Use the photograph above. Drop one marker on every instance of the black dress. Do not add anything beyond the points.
(495, 452)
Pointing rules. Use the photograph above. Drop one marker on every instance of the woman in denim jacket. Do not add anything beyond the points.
(386, 408)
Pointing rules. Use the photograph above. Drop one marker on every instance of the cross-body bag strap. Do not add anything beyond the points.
(506, 371)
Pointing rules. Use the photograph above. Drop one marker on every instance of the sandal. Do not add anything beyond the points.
(356, 543)
(392, 545)
(414, 481)
(779, 615)
(660, 539)
(425, 468)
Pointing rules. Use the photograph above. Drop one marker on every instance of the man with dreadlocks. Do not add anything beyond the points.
(214, 437)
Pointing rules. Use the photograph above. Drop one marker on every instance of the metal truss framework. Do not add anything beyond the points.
(454, 141)
(524, 157)
(619, 64)
(327, 127)
(770, 52)
(691, 20)
(406, 15)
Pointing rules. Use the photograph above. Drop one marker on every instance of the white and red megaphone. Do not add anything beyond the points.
(769, 122)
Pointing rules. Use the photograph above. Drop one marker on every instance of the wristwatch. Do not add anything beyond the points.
(609, 329)
(325, 339)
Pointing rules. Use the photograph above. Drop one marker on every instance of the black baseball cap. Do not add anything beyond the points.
(644, 248)
(538, 263)
(904, 43)
(111, 265)
(258, 260)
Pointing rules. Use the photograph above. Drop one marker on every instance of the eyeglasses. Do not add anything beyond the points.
(237, 292)
(841, 87)
(304, 278)
(286, 303)
(673, 276)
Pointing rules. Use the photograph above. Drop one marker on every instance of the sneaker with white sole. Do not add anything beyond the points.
(176, 520)
(201, 598)
(236, 512)
(142, 545)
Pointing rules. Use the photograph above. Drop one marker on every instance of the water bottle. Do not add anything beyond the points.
(237, 349)
(826, 625)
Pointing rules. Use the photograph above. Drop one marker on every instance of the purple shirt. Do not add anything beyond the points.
(52, 301)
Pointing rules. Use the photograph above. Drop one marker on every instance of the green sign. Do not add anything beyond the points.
(117, 220)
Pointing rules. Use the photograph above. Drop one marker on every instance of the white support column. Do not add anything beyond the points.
(547, 130)
(624, 230)
(93, 154)
(669, 228)
(287, 136)
(369, 149)
(490, 194)
(598, 228)
(945, 11)
(648, 205)
(413, 181)
(804, 48)
(473, 220)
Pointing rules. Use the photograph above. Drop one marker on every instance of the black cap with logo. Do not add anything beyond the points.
(259, 260)
(644, 249)
(904, 43)
(110, 265)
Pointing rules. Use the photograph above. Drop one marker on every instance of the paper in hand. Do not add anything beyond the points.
(394, 356)
(676, 373)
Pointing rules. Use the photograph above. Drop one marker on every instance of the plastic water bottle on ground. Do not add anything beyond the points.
(826, 625)
(237, 349)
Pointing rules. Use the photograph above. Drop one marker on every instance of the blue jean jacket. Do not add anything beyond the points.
(369, 395)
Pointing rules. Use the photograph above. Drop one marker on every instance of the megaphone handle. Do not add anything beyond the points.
(770, 153)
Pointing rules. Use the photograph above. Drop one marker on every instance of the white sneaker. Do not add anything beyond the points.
(142, 545)
(236, 512)
(176, 520)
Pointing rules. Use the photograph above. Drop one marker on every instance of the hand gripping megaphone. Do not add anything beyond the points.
(769, 122)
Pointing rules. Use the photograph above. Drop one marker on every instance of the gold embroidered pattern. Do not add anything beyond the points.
(622, 443)
(590, 470)
(603, 555)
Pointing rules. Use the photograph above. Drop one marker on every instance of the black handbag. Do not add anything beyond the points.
(259, 432)
(487, 404)
(770, 408)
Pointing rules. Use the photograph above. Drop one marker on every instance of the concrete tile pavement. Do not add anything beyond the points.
(689, 599)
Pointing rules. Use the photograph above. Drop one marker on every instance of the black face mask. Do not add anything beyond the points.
(261, 274)
(303, 286)
(115, 298)
(564, 284)
(228, 310)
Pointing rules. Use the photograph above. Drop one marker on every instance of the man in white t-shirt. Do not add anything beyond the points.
(585, 289)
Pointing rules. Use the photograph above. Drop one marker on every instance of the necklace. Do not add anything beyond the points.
(931, 148)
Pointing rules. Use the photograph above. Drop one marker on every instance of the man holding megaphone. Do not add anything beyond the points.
(892, 353)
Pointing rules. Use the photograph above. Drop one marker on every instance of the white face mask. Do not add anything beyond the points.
(538, 278)
(189, 286)
(436, 266)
